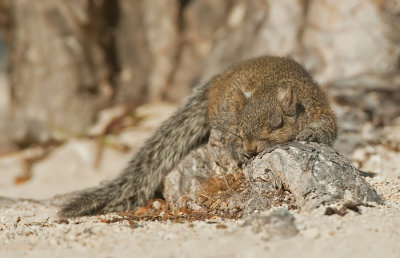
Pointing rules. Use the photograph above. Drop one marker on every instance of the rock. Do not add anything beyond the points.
(277, 225)
(314, 174)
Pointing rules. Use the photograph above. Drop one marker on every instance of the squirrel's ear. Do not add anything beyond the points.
(287, 99)
(247, 94)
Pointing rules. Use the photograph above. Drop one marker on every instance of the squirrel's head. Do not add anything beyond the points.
(269, 118)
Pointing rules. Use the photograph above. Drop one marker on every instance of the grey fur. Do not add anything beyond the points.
(183, 131)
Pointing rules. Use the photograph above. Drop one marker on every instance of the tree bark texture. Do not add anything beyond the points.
(59, 69)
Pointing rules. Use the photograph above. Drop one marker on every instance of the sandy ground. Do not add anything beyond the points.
(31, 228)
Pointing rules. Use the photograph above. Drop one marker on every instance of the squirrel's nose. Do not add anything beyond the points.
(251, 148)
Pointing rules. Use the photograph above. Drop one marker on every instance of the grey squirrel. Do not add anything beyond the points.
(255, 103)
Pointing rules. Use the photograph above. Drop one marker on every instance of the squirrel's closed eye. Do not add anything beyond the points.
(275, 122)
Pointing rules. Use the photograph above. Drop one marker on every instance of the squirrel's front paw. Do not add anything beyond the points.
(308, 135)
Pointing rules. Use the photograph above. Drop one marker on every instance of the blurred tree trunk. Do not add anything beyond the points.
(5, 18)
(133, 56)
(61, 61)
(147, 46)
(68, 59)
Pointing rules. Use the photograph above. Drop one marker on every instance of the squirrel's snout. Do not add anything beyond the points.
(251, 148)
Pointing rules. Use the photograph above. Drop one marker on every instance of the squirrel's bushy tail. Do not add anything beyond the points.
(187, 128)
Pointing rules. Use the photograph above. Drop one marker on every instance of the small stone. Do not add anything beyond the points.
(278, 225)
(156, 205)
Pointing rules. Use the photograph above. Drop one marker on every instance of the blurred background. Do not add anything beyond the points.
(81, 68)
